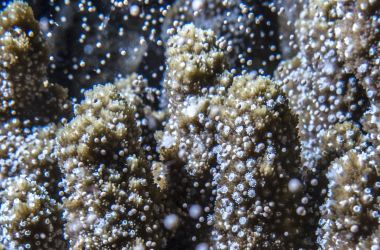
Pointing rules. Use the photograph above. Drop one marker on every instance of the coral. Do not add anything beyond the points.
(339, 139)
(135, 88)
(109, 197)
(320, 88)
(257, 159)
(195, 79)
(211, 135)
(194, 62)
(331, 90)
(25, 91)
(152, 124)
(29, 218)
(357, 41)
(247, 26)
(29, 103)
(29, 151)
(371, 122)
(352, 199)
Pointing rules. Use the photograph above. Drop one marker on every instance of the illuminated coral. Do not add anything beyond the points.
(194, 82)
(29, 103)
(194, 62)
(257, 160)
(29, 151)
(135, 88)
(109, 198)
(223, 133)
(195, 79)
(319, 88)
(339, 139)
(350, 214)
(24, 90)
(173, 132)
(247, 26)
(29, 218)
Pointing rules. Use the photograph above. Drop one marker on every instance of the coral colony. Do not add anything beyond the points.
(190, 124)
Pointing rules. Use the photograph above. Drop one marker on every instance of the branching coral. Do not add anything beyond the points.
(29, 151)
(29, 218)
(109, 197)
(254, 207)
(135, 88)
(194, 62)
(29, 102)
(195, 79)
(170, 136)
(25, 91)
(225, 132)
(353, 194)
(247, 26)
(332, 78)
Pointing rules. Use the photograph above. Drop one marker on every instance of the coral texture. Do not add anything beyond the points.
(204, 124)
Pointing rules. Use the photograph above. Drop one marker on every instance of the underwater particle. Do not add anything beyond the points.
(195, 211)
(295, 185)
(109, 200)
(171, 222)
(202, 246)
(29, 217)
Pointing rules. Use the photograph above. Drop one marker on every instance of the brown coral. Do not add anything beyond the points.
(109, 200)
(350, 214)
(29, 218)
(258, 159)
(25, 91)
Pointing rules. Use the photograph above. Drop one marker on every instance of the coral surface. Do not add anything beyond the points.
(204, 124)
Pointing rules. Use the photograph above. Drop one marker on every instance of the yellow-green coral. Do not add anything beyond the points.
(320, 88)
